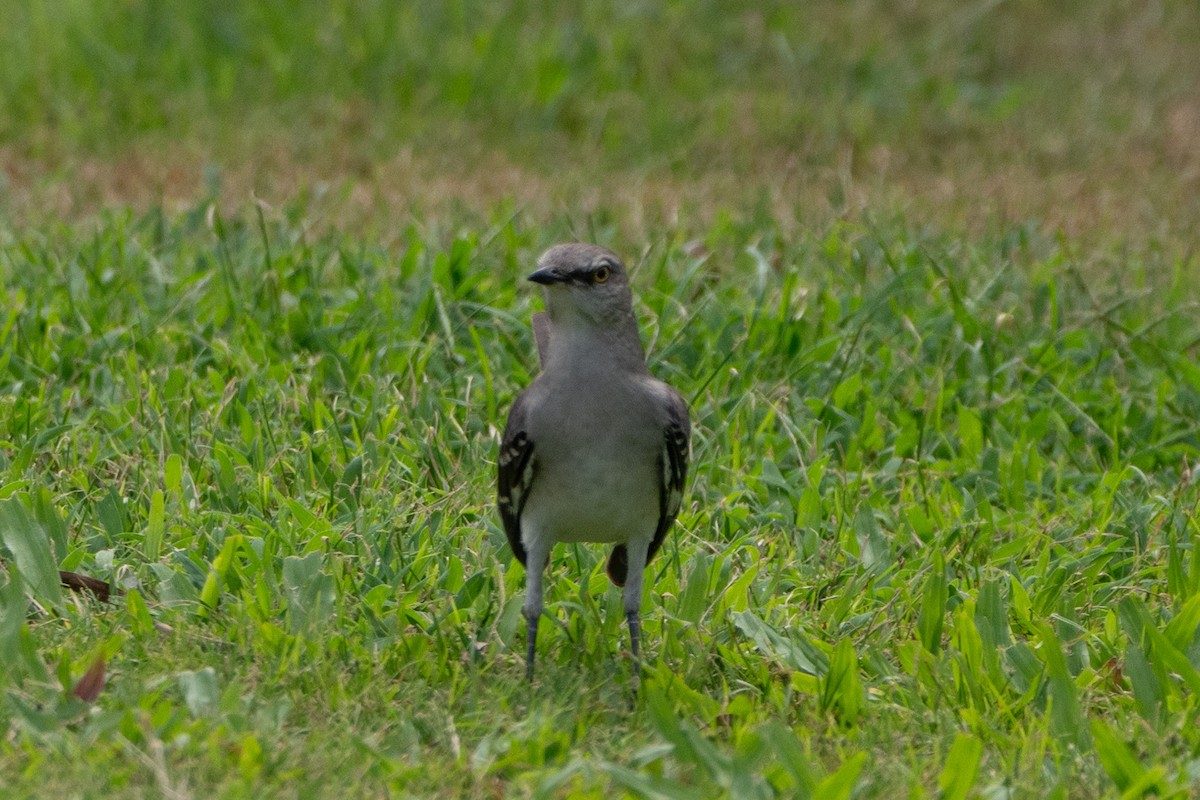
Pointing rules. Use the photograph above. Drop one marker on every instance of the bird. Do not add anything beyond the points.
(595, 449)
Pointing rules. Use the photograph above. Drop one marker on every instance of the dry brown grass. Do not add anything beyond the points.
(1142, 187)
(1102, 142)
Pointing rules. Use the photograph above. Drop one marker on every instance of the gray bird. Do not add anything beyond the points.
(596, 449)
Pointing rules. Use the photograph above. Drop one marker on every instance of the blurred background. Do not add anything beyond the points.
(1081, 116)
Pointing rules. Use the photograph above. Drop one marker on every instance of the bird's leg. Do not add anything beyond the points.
(531, 628)
(636, 552)
(535, 562)
(635, 634)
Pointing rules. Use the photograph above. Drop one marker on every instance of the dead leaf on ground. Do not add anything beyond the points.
(92, 683)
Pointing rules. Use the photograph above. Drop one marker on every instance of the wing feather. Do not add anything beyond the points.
(515, 472)
(673, 463)
(672, 469)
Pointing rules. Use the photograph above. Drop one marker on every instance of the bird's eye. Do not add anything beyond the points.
(601, 275)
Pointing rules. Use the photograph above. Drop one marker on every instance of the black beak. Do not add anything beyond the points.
(548, 276)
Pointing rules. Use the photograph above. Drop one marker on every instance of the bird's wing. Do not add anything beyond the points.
(515, 469)
(673, 464)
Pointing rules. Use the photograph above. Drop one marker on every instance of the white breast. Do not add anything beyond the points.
(598, 475)
(581, 505)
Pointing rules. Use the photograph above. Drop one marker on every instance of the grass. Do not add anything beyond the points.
(924, 271)
(941, 526)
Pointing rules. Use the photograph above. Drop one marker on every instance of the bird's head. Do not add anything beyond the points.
(584, 282)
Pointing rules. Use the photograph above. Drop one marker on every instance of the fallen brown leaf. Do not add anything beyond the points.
(92, 682)
(84, 583)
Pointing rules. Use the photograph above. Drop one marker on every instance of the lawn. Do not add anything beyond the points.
(925, 272)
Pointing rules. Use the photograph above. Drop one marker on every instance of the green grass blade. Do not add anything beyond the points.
(30, 549)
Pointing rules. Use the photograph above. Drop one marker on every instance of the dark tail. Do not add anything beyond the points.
(618, 565)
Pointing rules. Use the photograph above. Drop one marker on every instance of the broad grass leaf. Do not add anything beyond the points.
(152, 544)
(200, 691)
(52, 522)
(30, 549)
(965, 639)
(694, 598)
(111, 512)
(933, 606)
(962, 764)
(139, 614)
(310, 592)
(1026, 669)
(991, 616)
(1022, 608)
(173, 475)
(1181, 630)
(970, 433)
(1163, 656)
(34, 716)
(647, 786)
(746, 778)
(1147, 688)
(840, 785)
(796, 653)
(1066, 718)
(1118, 760)
(690, 745)
(873, 546)
(1134, 618)
(1171, 660)
(1178, 584)
(791, 757)
(13, 610)
(841, 689)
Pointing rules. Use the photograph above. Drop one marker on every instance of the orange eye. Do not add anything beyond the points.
(601, 275)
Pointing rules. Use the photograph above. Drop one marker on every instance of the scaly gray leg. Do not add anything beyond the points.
(636, 552)
(635, 636)
(536, 557)
(531, 628)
